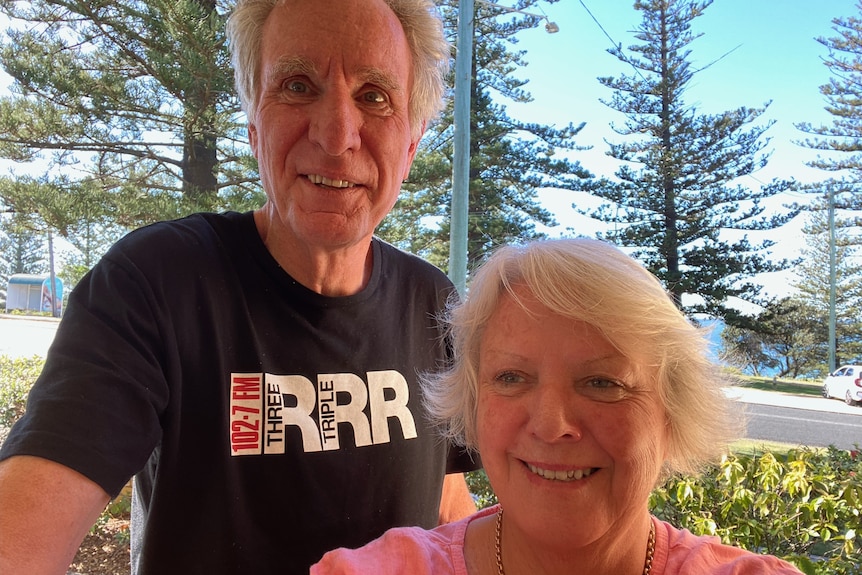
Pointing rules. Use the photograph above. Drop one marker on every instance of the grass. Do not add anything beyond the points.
(760, 446)
(798, 387)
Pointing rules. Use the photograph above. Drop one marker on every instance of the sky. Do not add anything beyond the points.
(756, 51)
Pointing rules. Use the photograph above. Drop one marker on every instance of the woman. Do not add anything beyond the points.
(582, 386)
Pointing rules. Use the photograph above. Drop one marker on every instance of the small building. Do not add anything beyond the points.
(29, 292)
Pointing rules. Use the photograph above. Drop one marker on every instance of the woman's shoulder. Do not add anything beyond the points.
(403, 551)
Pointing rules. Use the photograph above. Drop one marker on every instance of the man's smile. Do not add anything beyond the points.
(316, 179)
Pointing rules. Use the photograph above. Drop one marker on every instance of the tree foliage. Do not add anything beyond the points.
(125, 109)
(509, 159)
(22, 249)
(843, 137)
(791, 335)
(813, 283)
(681, 210)
(787, 337)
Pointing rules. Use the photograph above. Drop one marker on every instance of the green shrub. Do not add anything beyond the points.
(483, 495)
(805, 506)
(16, 377)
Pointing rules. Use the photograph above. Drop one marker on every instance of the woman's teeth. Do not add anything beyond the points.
(569, 475)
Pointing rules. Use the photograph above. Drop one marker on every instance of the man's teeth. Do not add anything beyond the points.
(569, 475)
(315, 179)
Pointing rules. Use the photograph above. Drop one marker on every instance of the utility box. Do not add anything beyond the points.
(28, 292)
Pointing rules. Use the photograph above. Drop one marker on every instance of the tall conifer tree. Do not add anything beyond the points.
(842, 139)
(676, 210)
(128, 106)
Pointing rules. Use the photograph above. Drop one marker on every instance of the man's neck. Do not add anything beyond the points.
(334, 272)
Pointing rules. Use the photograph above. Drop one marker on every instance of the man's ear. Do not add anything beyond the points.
(252, 138)
(411, 151)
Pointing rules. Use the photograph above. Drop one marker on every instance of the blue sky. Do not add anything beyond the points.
(762, 50)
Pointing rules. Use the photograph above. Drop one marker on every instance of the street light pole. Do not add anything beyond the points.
(832, 277)
(460, 207)
(461, 148)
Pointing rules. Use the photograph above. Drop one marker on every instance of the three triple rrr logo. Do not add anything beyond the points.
(264, 406)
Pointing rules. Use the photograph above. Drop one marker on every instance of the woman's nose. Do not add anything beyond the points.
(553, 414)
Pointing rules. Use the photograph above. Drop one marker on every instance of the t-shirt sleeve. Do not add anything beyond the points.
(95, 406)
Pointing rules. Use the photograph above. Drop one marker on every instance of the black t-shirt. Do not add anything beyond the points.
(267, 423)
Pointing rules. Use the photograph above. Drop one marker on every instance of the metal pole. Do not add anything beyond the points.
(461, 148)
(832, 274)
(51, 276)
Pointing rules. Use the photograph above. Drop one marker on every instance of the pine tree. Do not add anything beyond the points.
(126, 106)
(509, 159)
(843, 138)
(22, 249)
(813, 279)
(677, 209)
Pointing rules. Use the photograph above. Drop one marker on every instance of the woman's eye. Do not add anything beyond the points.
(509, 378)
(603, 389)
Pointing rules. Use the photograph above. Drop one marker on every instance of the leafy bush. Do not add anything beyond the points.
(483, 495)
(805, 506)
(16, 377)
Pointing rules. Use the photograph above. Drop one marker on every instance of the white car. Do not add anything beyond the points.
(845, 383)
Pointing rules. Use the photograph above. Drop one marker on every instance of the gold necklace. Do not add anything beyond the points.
(498, 544)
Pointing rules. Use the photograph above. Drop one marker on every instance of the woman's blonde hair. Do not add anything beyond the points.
(592, 281)
(421, 24)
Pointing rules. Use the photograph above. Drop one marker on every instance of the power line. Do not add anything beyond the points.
(617, 45)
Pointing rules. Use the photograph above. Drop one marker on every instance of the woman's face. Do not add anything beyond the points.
(572, 434)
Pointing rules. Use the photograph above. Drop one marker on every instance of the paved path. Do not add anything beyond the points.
(748, 395)
(24, 336)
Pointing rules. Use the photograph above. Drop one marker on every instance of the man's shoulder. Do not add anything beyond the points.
(400, 262)
(192, 228)
(179, 239)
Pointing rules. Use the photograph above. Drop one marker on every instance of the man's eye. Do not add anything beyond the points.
(373, 97)
(296, 86)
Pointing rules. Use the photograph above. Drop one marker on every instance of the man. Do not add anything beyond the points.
(258, 369)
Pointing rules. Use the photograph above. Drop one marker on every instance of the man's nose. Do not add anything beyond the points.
(336, 124)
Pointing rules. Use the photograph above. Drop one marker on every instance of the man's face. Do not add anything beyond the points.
(332, 129)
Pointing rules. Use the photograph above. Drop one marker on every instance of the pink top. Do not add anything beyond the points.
(415, 551)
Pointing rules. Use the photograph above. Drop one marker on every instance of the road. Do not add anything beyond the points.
(794, 419)
(781, 417)
(797, 426)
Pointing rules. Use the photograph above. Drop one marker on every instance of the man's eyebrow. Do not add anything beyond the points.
(380, 78)
(297, 65)
(291, 66)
